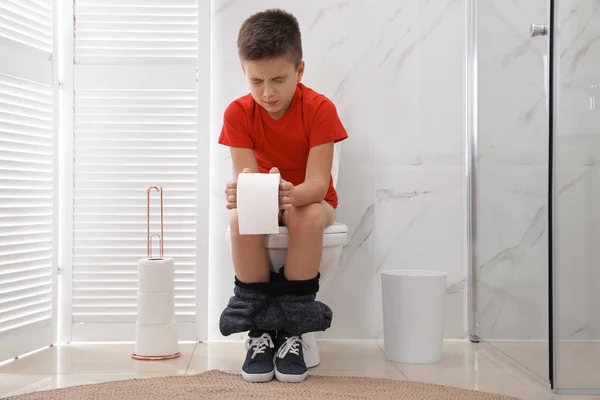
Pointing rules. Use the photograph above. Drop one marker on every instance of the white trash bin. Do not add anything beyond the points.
(413, 315)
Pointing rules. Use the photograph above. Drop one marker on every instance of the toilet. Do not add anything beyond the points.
(334, 239)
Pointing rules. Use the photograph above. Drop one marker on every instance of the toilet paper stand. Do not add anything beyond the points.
(150, 257)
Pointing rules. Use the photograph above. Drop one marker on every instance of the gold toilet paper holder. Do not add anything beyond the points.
(159, 189)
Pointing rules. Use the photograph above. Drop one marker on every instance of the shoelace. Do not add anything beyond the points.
(260, 344)
(292, 345)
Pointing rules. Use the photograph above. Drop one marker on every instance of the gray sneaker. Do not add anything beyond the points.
(289, 363)
(258, 366)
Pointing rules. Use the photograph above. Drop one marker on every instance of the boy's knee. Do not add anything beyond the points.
(309, 217)
(234, 230)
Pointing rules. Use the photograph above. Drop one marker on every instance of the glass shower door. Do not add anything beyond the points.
(576, 277)
(510, 195)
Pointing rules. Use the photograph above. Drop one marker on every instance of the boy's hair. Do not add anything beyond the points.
(270, 34)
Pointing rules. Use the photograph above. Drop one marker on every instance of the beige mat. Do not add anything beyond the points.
(220, 385)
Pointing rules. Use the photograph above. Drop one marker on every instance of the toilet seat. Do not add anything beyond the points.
(335, 228)
(334, 235)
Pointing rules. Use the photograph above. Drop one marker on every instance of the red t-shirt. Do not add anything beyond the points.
(311, 120)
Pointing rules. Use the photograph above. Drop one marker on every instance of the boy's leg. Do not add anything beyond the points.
(249, 254)
(251, 266)
(306, 225)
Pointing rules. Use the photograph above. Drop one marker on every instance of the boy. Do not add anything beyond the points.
(281, 126)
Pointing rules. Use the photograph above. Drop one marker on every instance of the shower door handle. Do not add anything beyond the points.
(538, 30)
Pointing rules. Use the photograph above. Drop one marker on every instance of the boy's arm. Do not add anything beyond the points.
(243, 158)
(318, 174)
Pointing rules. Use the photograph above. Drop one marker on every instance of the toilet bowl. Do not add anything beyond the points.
(334, 239)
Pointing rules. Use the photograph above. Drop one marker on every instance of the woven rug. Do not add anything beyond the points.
(220, 385)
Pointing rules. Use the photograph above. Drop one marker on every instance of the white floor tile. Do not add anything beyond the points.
(14, 384)
(466, 365)
(80, 358)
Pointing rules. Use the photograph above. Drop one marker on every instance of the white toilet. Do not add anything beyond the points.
(334, 239)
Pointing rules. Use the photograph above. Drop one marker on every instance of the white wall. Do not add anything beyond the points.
(395, 71)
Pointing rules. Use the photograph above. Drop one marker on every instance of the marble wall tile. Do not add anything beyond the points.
(394, 69)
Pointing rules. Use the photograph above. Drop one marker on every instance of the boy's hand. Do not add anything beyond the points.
(286, 195)
(231, 191)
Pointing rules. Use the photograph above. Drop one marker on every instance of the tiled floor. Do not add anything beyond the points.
(578, 361)
(466, 365)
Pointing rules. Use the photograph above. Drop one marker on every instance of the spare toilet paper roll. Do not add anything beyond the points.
(156, 339)
(258, 203)
(156, 276)
(155, 308)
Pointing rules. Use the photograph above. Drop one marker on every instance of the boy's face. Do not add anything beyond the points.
(273, 83)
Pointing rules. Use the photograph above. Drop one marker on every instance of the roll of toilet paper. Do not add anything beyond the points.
(156, 276)
(258, 203)
(152, 340)
(155, 308)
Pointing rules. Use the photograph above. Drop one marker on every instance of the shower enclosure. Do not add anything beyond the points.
(533, 123)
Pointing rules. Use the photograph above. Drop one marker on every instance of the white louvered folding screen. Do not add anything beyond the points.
(136, 31)
(135, 125)
(28, 23)
(28, 233)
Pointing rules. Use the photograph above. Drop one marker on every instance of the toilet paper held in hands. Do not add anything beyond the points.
(258, 203)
